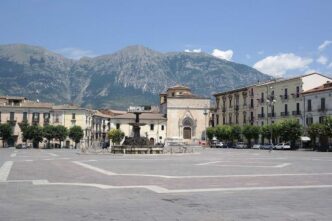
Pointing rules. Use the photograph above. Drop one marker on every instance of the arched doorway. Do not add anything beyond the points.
(186, 133)
(151, 141)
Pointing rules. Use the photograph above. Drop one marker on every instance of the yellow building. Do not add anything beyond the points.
(281, 98)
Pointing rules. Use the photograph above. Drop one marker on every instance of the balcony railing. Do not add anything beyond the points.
(296, 113)
(322, 109)
(237, 107)
(296, 95)
(284, 97)
(261, 115)
(271, 115)
(283, 114)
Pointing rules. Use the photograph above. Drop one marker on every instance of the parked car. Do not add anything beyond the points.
(21, 146)
(268, 146)
(257, 146)
(283, 146)
(219, 144)
(241, 145)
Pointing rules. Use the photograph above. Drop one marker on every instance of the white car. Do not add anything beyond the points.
(282, 146)
(219, 144)
(241, 145)
(257, 146)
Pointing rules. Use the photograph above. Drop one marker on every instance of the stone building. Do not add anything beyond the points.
(187, 114)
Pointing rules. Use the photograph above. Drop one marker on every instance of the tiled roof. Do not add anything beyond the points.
(325, 87)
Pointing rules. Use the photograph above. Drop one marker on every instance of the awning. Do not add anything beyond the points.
(305, 138)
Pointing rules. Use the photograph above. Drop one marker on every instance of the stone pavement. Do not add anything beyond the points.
(215, 184)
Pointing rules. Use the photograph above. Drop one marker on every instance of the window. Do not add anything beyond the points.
(173, 94)
(25, 116)
(286, 93)
(244, 117)
(321, 119)
(151, 126)
(252, 103)
(309, 121)
(322, 103)
(118, 126)
(297, 91)
(217, 119)
(12, 116)
(230, 119)
(262, 111)
(251, 118)
(286, 109)
(46, 116)
(230, 102)
(73, 116)
(162, 127)
(309, 105)
(0, 116)
(223, 120)
(298, 108)
(237, 118)
(262, 98)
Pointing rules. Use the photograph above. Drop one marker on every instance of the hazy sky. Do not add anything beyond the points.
(282, 37)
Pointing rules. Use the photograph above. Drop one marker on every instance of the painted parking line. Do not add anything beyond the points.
(96, 169)
(255, 166)
(53, 154)
(5, 170)
(13, 155)
(162, 190)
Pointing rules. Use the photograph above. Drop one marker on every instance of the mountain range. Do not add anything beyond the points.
(134, 75)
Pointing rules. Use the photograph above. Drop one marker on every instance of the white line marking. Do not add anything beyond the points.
(28, 160)
(13, 155)
(203, 164)
(282, 165)
(158, 189)
(99, 170)
(5, 170)
(48, 159)
(235, 165)
(53, 154)
(110, 173)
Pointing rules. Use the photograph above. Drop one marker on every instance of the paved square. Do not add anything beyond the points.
(213, 184)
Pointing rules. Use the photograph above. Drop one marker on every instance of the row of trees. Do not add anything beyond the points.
(288, 130)
(36, 133)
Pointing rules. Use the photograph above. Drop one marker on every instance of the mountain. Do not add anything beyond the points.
(133, 75)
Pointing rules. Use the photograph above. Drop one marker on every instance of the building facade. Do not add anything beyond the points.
(187, 114)
(317, 104)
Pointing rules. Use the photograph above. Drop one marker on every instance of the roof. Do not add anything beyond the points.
(325, 87)
(143, 116)
(100, 114)
(187, 96)
(179, 86)
(67, 107)
(233, 91)
(12, 97)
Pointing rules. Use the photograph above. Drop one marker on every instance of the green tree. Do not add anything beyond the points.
(76, 134)
(116, 136)
(61, 133)
(210, 132)
(6, 131)
(266, 131)
(315, 131)
(24, 126)
(236, 132)
(328, 126)
(251, 132)
(34, 133)
(223, 132)
(49, 133)
(290, 131)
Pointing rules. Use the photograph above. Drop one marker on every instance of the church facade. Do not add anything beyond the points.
(187, 114)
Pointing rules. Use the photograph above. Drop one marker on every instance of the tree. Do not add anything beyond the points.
(61, 133)
(251, 132)
(24, 126)
(316, 130)
(328, 126)
(76, 134)
(6, 131)
(266, 131)
(223, 132)
(236, 132)
(210, 132)
(49, 133)
(34, 133)
(290, 130)
(116, 136)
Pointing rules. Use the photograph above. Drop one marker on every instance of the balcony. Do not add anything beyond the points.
(322, 109)
(295, 95)
(284, 97)
(237, 107)
(223, 109)
(271, 115)
(284, 114)
(12, 121)
(251, 106)
(261, 115)
(296, 113)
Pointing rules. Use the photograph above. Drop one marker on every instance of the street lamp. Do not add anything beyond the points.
(270, 101)
(206, 112)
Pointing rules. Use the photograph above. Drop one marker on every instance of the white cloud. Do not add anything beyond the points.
(227, 55)
(197, 50)
(324, 45)
(75, 53)
(278, 65)
(322, 60)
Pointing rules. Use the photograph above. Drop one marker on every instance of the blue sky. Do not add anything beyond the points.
(281, 38)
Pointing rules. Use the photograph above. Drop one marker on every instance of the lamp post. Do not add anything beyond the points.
(205, 114)
(270, 101)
